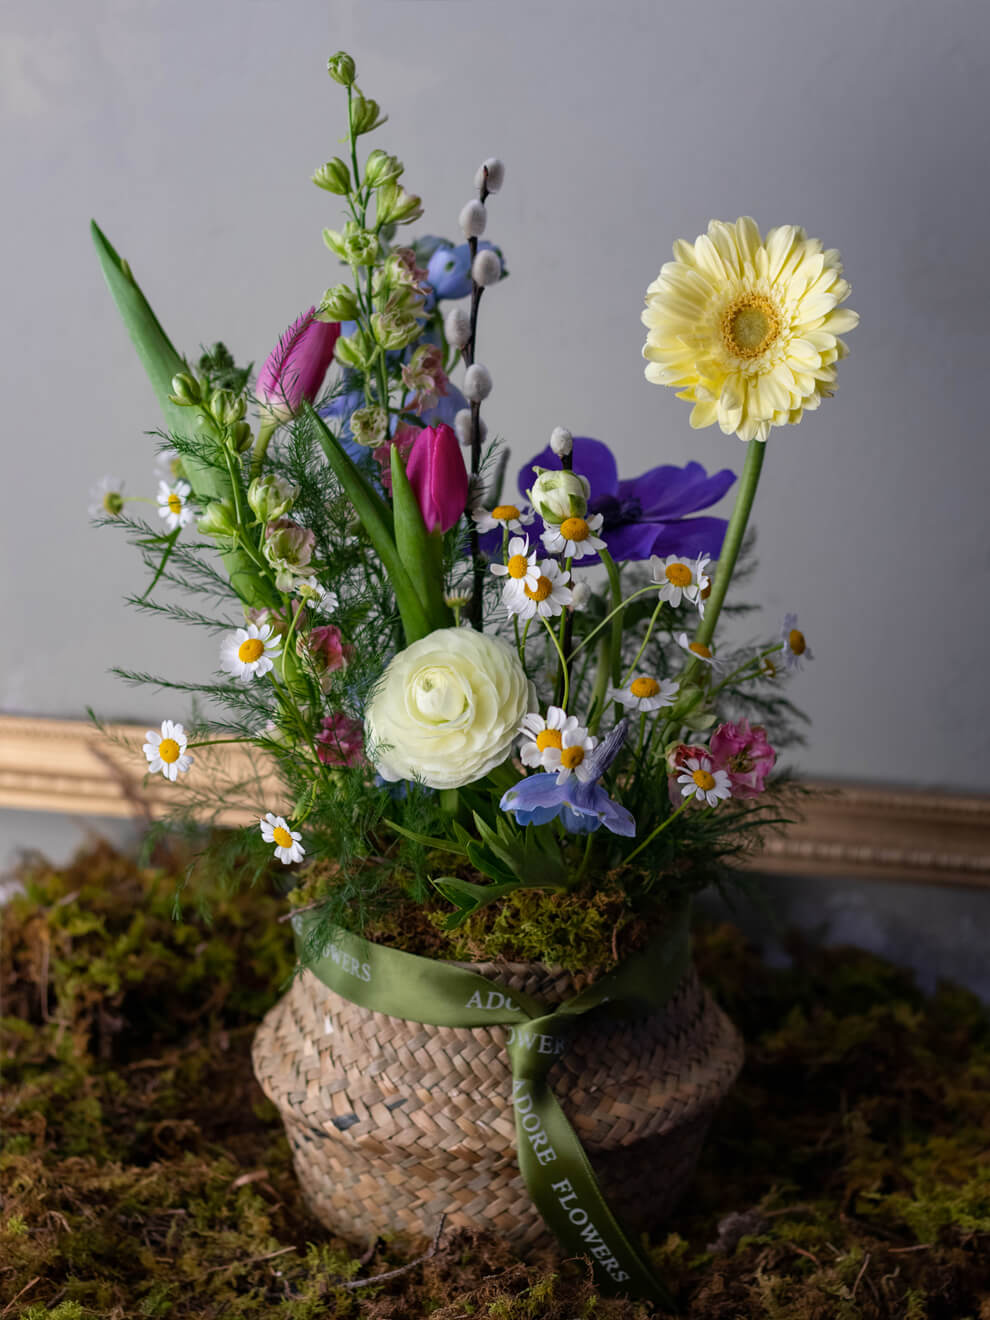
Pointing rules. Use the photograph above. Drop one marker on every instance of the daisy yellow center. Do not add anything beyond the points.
(542, 589)
(169, 750)
(704, 780)
(750, 324)
(644, 687)
(282, 837)
(706, 591)
(518, 566)
(575, 529)
(548, 738)
(679, 575)
(113, 502)
(795, 640)
(505, 512)
(250, 650)
(174, 504)
(571, 757)
(699, 648)
(769, 668)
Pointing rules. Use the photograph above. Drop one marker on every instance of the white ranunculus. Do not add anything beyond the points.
(447, 709)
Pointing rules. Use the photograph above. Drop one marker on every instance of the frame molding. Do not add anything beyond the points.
(873, 832)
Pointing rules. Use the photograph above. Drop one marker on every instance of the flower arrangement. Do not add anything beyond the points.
(500, 722)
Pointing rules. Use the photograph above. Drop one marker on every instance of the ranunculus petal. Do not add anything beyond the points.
(591, 458)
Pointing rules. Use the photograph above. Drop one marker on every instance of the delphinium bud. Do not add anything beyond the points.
(486, 268)
(380, 167)
(472, 218)
(365, 114)
(339, 304)
(477, 383)
(463, 427)
(496, 174)
(185, 390)
(561, 441)
(457, 327)
(334, 177)
(341, 68)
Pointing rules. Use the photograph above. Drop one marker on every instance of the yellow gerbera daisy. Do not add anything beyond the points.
(748, 328)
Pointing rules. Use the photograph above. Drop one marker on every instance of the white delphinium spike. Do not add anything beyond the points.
(457, 327)
(473, 218)
(486, 269)
(477, 383)
(463, 427)
(561, 441)
(496, 174)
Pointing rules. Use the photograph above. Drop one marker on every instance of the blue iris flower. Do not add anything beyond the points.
(449, 270)
(582, 807)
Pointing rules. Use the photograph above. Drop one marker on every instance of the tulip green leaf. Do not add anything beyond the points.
(417, 548)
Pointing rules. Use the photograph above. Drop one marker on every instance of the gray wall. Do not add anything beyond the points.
(190, 129)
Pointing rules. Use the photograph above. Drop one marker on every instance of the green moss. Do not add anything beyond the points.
(144, 1174)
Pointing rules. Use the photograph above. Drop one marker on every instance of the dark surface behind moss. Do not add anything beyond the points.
(143, 1173)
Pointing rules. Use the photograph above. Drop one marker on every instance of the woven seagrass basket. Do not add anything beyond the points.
(393, 1123)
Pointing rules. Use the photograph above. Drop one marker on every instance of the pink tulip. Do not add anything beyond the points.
(744, 752)
(437, 474)
(295, 368)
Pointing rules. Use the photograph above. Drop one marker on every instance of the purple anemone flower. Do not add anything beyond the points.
(647, 515)
(582, 807)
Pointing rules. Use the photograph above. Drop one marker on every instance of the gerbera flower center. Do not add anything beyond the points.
(174, 504)
(518, 566)
(575, 529)
(571, 757)
(542, 589)
(704, 780)
(679, 575)
(699, 648)
(750, 324)
(505, 512)
(548, 738)
(644, 687)
(250, 650)
(795, 640)
(282, 837)
(169, 750)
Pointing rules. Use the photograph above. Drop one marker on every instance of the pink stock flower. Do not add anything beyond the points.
(341, 740)
(328, 650)
(294, 370)
(744, 752)
(437, 474)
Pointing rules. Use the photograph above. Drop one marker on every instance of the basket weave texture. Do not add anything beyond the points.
(393, 1123)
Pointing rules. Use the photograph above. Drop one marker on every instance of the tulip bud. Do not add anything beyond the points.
(239, 437)
(473, 218)
(219, 519)
(561, 441)
(396, 206)
(334, 177)
(226, 407)
(463, 426)
(339, 304)
(490, 175)
(436, 472)
(369, 426)
(477, 383)
(457, 327)
(486, 269)
(381, 168)
(294, 370)
(271, 497)
(557, 495)
(365, 115)
(341, 68)
(185, 391)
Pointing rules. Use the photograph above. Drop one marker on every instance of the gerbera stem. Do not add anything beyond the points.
(755, 452)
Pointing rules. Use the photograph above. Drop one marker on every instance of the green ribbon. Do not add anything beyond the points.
(554, 1166)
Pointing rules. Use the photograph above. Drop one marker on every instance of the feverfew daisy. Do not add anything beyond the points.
(703, 782)
(520, 568)
(310, 591)
(644, 693)
(748, 328)
(168, 465)
(574, 537)
(275, 829)
(547, 597)
(682, 578)
(249, 652)
(173, 504)
(544, 738)
(106, 498)
(796, 648)
(166, 751)
(698, 650)
(503, 515)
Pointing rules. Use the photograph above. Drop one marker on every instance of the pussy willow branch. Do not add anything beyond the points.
(478, 585)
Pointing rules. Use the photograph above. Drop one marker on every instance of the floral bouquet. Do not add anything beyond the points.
(499, 722)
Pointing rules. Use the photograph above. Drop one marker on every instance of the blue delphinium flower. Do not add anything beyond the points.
(582, 807)
(449, 271)
(646, 515)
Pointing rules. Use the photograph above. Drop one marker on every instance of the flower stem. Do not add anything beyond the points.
(265, 432)
(563, 662)
(659, 830)
(649, 633)
(755, 452)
